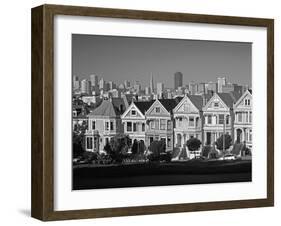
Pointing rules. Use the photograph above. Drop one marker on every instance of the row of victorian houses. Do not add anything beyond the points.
(172, 120)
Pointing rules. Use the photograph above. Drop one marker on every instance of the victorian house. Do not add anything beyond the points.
(243, 119)
(134, 120)
(188, 119)
(104, 122)
(218, 117)
(159, 118)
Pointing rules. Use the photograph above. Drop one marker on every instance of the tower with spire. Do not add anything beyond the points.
(151, 85)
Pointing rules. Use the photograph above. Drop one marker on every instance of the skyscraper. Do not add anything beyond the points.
(178, 80)
(160, 89)
(151, 84)
(127, 84)
(221, 83)
(76, 83)
(102, 84)
(94, 80)
(86, 86)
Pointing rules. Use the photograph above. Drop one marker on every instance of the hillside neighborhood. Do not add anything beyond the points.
(126, 123)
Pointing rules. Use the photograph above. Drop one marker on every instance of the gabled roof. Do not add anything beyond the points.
(108, 108)
(143, 106)
(227, 98)
(170, 104)
(243, 96)
(197, 100)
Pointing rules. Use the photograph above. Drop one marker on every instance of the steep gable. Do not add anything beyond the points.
(186, 106)
(245, 100)
(133, 112)
(157, 109)
(216, 104)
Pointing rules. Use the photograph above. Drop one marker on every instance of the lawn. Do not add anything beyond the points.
(156, 174)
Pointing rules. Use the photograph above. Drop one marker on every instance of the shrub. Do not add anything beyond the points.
(193, 144)
(227, 142)
(206, 150)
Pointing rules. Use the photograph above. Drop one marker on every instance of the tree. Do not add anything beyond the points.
(118, 147)
(135, 147)
(227, 142)
(193, 144)
(157, 147)
(77, 144)
(206, 150)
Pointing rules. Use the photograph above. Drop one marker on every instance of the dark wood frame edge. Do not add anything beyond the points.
(42, 197)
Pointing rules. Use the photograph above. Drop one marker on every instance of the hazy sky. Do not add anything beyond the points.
(134, 59)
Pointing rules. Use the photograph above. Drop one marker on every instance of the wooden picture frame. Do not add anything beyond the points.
(42, 204)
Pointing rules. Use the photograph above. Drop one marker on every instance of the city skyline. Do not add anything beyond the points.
(136, 59)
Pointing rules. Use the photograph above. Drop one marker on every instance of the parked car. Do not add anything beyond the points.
(229, 157)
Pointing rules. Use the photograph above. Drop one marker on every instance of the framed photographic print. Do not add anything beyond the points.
(142, 112)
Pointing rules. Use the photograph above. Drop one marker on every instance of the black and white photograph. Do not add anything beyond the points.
(158, 112)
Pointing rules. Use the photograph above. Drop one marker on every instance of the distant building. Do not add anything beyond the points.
(127, 84)
(160, 89)
(227, 88)
(76, 83)
(102, 84)
(137, 87)
(151, 84)
(192, 87)
(201, 88)
(211, 87)
(95, 81)
(221, 83)
(86, 87)
(178, 79)
(147, 90)
(115, 93)
(111, 85)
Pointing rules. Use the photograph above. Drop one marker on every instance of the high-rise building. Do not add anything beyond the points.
(178, 77)
(201, 88)
(137, 87)
(151, 84)
(94, 80)
(227, 88)
(221, 83)
(86, 86)
(111, 85)
(212, 87)
(192, 87)
(76, 83)
(127, 84)
(102, 84)
(160, 89)
(147, 90)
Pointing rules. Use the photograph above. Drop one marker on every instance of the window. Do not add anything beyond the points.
(162, 124)
(216, 104)
(247, 102)
(157, 124)
(129, 126)
(152, 124)
(111, 126)
(89, 142)
(106, 140)
(169, 142)
(191, 121)
(157, 109)
(133, 112)
(169, 124)
(93, 125)
(209, 119)
(221, 119)
(191, 136)
(239, 117)
(135, 127)
(106, 126)
(250, 135)
(246, 116)
(227, 120)
(250, 117)
(143, 127)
